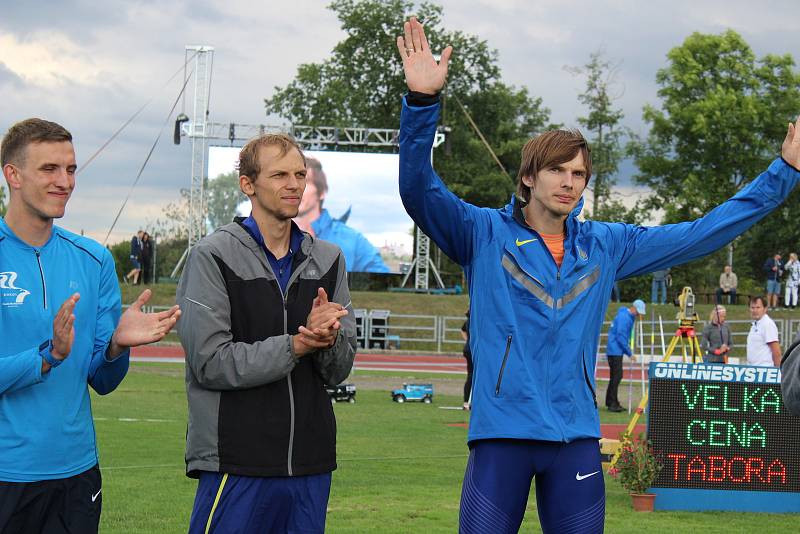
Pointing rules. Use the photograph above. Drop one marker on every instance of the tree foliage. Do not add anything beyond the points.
(223, 196)
(722, 119)
(360, 84)
(603, 121)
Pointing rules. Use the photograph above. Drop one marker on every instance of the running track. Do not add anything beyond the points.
(371, 361)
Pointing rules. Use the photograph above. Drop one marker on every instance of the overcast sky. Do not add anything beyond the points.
(89, 65)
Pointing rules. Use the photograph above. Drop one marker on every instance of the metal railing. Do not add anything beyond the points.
(442, 333)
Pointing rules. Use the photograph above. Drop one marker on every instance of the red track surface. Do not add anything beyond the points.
(374, 361)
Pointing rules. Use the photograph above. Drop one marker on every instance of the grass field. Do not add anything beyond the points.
(400, 466)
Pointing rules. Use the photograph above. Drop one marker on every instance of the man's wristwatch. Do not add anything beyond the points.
(45, 351)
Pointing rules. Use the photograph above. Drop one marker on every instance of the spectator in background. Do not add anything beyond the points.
(147, 259)
(659, 283)
(619, 336)
(136, 258)
(792, 270)
(728, 282)
(359, 254)
(468, 357)
(774, 269)
(763, 347)
(716, 338)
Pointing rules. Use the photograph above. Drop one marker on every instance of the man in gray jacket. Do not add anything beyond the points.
(266, 326)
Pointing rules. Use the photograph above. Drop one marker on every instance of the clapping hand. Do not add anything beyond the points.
(322, 325)
(138, 328)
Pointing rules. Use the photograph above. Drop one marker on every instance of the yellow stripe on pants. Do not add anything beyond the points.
(216, 502)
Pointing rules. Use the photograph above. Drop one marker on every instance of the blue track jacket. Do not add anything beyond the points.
(619, 334)
(534, 328)
(360, 255)
(46, 427)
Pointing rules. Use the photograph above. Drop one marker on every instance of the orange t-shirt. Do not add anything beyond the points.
(555, 244)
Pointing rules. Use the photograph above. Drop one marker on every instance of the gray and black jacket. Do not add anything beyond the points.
(254, 408)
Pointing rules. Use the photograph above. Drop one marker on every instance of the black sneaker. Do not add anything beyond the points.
(615, 409)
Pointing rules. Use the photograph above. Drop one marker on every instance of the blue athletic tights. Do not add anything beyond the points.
(570, 493)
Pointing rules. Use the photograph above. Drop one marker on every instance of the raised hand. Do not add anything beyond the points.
(422, 72)
(322, 325)
(138, 328)
(790, 151)
(64, 328)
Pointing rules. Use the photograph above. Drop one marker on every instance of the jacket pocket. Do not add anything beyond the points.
(503, 365)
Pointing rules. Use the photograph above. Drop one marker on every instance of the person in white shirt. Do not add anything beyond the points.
(762, 341)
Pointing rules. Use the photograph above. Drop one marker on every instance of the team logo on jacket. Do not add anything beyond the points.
(10, 294)
(582, 254)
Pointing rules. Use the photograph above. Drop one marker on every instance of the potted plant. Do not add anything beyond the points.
(637, 468)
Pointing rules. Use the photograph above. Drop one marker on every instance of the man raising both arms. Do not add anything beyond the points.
(60, 327)
(539, 282)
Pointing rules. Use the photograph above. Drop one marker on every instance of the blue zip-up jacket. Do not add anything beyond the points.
(46, 427)
(534, 327)
(359, 254)
(619, 334)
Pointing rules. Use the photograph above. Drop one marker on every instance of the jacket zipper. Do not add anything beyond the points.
(41, 274)
(503, 366)
(292, 278)
(586, 378)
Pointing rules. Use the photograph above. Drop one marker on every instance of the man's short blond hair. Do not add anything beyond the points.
(248, 157)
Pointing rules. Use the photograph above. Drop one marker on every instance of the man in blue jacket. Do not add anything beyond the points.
(619, 344)
(360, 255)
(60, 328)
(540, 281)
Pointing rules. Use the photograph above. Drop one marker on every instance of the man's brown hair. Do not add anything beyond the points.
(551, 148)
(759, 298)
(23, 133)
(248, 156)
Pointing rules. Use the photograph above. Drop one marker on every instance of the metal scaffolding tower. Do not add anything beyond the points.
(197, 130)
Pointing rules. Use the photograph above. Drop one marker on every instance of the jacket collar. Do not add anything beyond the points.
(7, 234)
(240, 232)
(516, 205)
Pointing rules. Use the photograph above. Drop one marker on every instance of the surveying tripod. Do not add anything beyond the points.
(687, 337)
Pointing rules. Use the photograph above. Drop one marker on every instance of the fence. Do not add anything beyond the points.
(381, 329)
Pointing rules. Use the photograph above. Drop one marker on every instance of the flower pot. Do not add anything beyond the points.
(643, 502)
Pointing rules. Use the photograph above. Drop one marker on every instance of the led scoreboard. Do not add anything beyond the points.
(725, 438)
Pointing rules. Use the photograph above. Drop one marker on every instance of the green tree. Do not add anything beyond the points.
(360, 84)
(603, 121)
(722, 119)
(223, 196)
(2, 201)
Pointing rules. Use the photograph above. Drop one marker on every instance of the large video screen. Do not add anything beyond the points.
(724, 437)
(360, 211)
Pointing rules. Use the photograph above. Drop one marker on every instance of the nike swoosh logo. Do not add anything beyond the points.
(520, 243)
(579, 476)
(96, 495)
